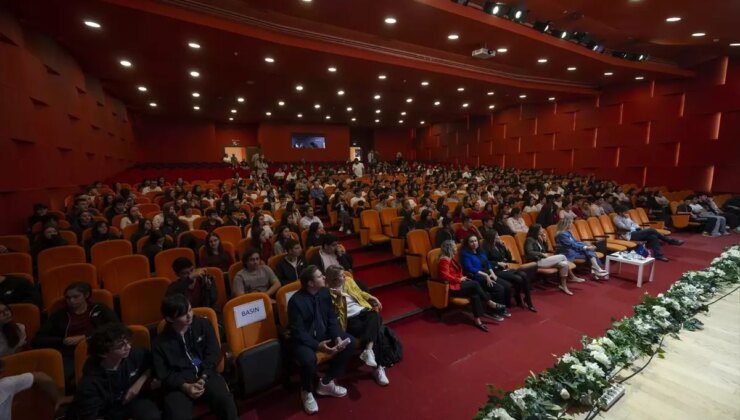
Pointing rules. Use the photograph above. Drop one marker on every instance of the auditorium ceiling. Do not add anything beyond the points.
(355, 68)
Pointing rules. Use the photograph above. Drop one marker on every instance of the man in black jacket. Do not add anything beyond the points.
(290, 267)
(331, 253)
(185, 356)
(14, 289)
(113, 377)
(196, 285)
(314, 328)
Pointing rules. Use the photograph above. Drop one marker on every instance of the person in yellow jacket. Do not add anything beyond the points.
(359, 314)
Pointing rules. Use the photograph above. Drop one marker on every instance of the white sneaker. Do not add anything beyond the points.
(309, 402)
(368, 357)
(331, 389)
(379, 375)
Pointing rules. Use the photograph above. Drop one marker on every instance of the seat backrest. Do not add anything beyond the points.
(417, 242)
(148, 208)
(283, 297)
(228, 249)
(583, 229)
(396, 226)
(100, 296)
(248, 336)
(520, 238)
(163, 261)
(218, 279)
(80, 355)
(606, 224)
(510, 243)
(210, 315)
(595, 226)
(29, 315)
(16, 262)
(120, 271)
(198, 222)
(527, 219)
(235, 268)
(229, 234)
(551, 233)
(311, 251)
(387, 214)
(102, 252)
(634, 216)
(142, 299)
(200, 234)
(140, 336)
(369, 219)
(433, 263)
(129, 230)
(33, 403)
(55, 280)
(60, 255)
(273, 261)
(642, 215)
(16, 243)
(68, 236)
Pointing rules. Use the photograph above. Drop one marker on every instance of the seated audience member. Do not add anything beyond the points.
(118, 208)
(567, 211)
(474, 262)
(310, 218)
(168, 209)
(156, 243)
(426, 220)
(500, 224)
(314, 235)
(14, 289)
(499, 257)
(40, 215)
(711, 209)
(314, 327)
(215, 255)
(445, 233)
(407, 224)
(331, 253)
(466, 229)
(535, 249)
(515, 222)
(486, 226)
(212, 221)
(596, 208)
(289, 268)
(566, 244)
(318, 194)
(477, 212)
(284, 234)
(134, 216)
(549, 214)
(196, 285)
(711, 225)
(81, 222)
(12, 334)
(462, 286)
(188, 217)
(66, 327)
(344, 213)
(237, 217)
(631, 231)
(254, 277)
(144, 228)
(48, 238)
(12, 385)
(185, 356)
(113, 377)
(358, 314)
(100, 232)
(261, 236)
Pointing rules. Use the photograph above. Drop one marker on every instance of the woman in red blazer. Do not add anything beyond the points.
(461, 286)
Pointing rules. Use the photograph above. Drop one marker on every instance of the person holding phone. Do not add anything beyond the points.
(197, 285)
(314, 328)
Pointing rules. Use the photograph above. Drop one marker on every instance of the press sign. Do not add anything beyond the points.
(249, 313)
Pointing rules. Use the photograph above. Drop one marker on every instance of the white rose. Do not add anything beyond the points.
(601, 358)
(501, 414)
(564, 394)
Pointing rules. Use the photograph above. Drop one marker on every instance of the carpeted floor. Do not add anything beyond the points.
(448, 365)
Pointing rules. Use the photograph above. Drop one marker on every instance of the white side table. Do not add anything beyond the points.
(639, 263)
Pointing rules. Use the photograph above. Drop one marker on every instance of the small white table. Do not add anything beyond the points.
(639, 263)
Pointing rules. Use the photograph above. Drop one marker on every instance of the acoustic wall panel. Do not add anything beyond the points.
(555, 123)
(579, 139)
(624, 134)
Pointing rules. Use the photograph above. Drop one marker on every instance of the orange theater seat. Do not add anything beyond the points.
(16, 243)
(60, 255)
(248, 336)
(69, 236)
(120, 271)
(34, 403)
(218, 279)
(102, 252)
(417, 247)
(55, 280)
(142, 299)
(283, 296)
(163, 261)
(386, 215)
(100, 296)
(16, 262)
(229, 234)
(29, 315)
(371, 231)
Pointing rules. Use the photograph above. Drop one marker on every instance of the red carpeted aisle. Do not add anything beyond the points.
(448, 365)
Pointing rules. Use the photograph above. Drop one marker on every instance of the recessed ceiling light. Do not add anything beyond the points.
(403, 113)
(400, 121)
(268, 113)
(269, 60)
(382, 76)
(608, 73)
(698, 34)
(332, 69)
(377, 120)
(735, 44)
(340, 92)
(281, 103)
(673, 19)
(354, 119)
(572, 68)
(409, 100)
(194, 73)
(328, 117)
(465, 105)
(551, 98)
(421, 122)
(376, 97)
(461, 89)
(542, 60)
(299, 115)
(349, 109)
(196, 95)
(153, 104)
(425, 83)
(92, 24)
(142, 88)
(522, 96)
(196, 107)
(231, 118)
(194, 45)
(390, 20)
(490, 93)
(502, 50)
(436, 103)
(377, 111)
(240, 99)
(453, 37)
(306, 1)
(639, 77)
(299, 87)
(491, 106)
(233, 111)
(316, 106)
(126, 63)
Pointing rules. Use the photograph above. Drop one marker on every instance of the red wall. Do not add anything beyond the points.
(275, 141)
(171, 141)
(58, 130)
(388, 142)
(680, 134)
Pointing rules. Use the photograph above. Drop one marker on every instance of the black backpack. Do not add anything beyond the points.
(388, 349)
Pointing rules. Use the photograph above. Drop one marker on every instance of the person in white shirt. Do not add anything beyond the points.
(515, 221)
(12, 334)
(12, 385)
(134, 216)
(631, 231)
(309, 218)
(596, 209)
(567, 212)
(358, 168)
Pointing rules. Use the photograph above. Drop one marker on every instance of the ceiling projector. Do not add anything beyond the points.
(484, 53)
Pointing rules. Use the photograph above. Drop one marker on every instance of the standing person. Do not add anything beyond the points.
(113, 377)
(185, 356)
(12, 385)
(314, 327)
(357, 168)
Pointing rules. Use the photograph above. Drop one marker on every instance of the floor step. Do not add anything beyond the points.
(402, 301)
(382, 275)
(371, 256)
